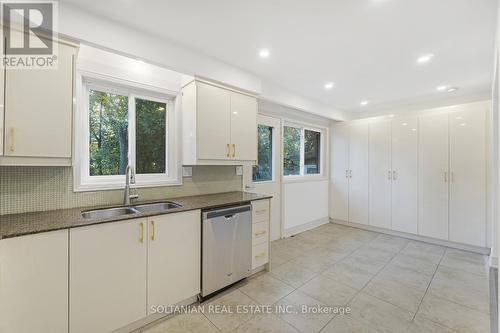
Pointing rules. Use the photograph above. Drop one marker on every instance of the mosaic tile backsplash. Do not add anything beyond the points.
(30, 189)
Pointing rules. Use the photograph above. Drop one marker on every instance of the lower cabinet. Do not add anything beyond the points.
(34, 283)
(119, 270)
(174, 258)
(107, 276)
(260, 232)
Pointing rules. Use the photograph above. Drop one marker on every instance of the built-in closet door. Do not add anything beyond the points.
(358, 173)
(339, 187)
(404, 174)
(433, 176)
(468, 176)
(380, 175)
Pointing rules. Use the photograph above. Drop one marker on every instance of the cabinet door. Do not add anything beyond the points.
(404, 166)
(339, 181)
(379, 177)
(468, 176)
(433, 176)
(243, 127)
(34, 283)
(213, 122)
(39, 108)
(358, 174)
(174, 258)
(107, 276)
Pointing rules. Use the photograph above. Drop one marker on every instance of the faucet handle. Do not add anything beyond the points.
(134, 196)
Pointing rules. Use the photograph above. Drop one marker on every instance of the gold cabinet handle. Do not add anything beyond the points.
(260, 233)
(153, 233)
(141, 237)
(12, 139)
(259, 211)
(260, 255)
(234, 150)
(228, 150)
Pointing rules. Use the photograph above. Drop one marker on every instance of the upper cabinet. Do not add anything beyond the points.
(38, 112)
(219, 125)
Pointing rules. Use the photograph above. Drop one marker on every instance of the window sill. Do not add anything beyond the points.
(304, 179)
(89, 187)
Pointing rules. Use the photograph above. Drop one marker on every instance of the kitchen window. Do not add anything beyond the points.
(263, 171)
(302, 151)
(122, 125)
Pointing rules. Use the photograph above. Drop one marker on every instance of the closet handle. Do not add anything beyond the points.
(389, 175)
(234, 150)
(228, 148)
(350, 173)
(446, 176)
(12, 145)
(347, 174)
(452, 177)
(394, 175)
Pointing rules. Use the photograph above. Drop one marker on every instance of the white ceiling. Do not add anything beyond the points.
(368, 48)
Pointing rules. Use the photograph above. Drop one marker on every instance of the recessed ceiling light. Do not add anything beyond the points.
(414, 129)
(329, 85)
(404, 124)
(462, 124)
(441, 88)
(459, 117)
(425, 58)
(452, 89)
(364, 103)
(391, 116)
(264, 53)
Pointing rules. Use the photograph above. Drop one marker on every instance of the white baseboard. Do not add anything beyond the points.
(306, 226)
(471, 248)
(133, 327)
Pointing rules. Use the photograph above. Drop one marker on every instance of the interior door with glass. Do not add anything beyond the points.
(265, 177)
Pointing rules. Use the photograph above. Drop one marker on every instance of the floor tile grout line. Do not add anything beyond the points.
(429, 285)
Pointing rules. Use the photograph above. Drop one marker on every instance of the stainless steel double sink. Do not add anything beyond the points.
(105, 213)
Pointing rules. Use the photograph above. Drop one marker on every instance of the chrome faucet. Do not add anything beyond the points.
(129, 179)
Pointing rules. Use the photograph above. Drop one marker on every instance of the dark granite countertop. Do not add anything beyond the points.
(14, 225)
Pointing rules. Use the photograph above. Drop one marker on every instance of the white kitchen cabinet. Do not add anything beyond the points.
(34, 283)
(380, 174)
(433, 175)
(219, 125)
(174, 257)
(39, 111)
(107, 275)
(339, 180)
(467, 177)
(404, 171)
(243, 127)
(358, 173)
(213, 135)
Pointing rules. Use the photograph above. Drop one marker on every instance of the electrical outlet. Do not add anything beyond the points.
(239, 170)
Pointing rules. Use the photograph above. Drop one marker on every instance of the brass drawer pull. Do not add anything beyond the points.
(12, 145)
(260, 233)
(153, 233)
(260, 255)
(141, 237)
(228, 150)
(234, 150)
(260, 211)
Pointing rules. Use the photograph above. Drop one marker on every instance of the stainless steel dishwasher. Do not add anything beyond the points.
(226, 247)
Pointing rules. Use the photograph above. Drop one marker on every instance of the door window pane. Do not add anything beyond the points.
(312, 142)
(150, 136)
(263, 171)
(108, 123)
(291, 151)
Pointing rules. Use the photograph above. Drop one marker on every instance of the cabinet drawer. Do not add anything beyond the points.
(260, 255)
(260, 211)
(260, 233)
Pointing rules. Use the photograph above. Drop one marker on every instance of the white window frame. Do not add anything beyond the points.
(273, 157)
(82, 180)
(302, 176)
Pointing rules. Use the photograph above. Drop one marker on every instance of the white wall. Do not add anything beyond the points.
(305, 205)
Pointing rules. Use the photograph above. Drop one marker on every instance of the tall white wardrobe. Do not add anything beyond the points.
(423, 174)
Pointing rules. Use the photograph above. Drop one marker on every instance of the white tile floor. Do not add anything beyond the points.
(391, 284)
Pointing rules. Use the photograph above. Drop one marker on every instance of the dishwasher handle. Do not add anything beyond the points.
(226, 212)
